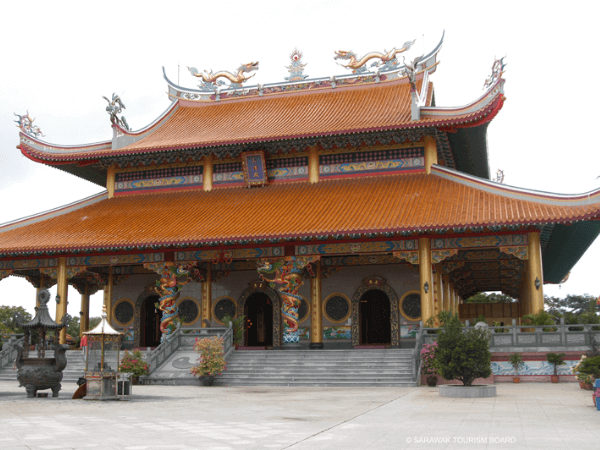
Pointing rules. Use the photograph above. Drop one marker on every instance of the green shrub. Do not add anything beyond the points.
(556, 359)
(540, 319)
(516, 360)
(590, 366)
(463, 356)
(237, 325)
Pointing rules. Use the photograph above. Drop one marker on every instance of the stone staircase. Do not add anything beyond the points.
(332, 368)
(75, 368)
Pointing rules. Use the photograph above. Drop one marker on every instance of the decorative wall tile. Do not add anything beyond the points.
(371, 162)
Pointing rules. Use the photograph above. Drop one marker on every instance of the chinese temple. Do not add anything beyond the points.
(332, 212)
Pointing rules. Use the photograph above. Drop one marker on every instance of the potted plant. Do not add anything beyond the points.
(428, 363)
(516, 360)
(211, 361)
(133, 362)
(585, 380)
(464, 356)
(238, 328)
(556, 359)
(590, 367)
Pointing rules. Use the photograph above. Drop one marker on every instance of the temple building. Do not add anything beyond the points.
(333, 212)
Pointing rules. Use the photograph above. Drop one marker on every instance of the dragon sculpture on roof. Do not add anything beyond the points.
(387, 59)
(25, 123)
(115, 107)
(497, 71)
(209, 79)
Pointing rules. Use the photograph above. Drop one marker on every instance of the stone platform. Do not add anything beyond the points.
(531, 416)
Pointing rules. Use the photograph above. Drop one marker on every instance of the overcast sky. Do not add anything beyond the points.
(60, 58)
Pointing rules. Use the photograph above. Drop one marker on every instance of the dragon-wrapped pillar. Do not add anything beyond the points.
(168, 287)
(288, 273)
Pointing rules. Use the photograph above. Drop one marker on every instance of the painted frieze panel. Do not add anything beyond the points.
(521, 252)
(158, 179)
(438, 256)
(337, 165)
(228, 174)
(337, 332)
(408, 256)
(234, 266)
(304, 333)
(28, 263)
(287, 169)
(533, 368)
(226, 257)
(357, 247)
(140, 258)
(359, 260)
(5, 273)
(409, 331)
(480, 255)
(479, 241)
(254, 168)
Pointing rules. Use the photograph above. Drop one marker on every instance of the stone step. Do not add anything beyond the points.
(320, 361)
(363, 384)
(350, 368)
(318, 378)
(315, 373)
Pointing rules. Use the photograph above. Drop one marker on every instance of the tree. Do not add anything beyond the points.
(8, 324)
(462, 355)
(484, 297)
(572, 306)
(75, 326)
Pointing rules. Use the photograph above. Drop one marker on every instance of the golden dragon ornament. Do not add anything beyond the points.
(210, 78)
(357, 65)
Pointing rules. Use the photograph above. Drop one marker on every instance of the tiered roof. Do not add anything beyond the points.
(363, 109)
(352, 208)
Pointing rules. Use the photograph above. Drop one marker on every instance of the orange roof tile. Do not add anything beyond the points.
(344, 110)
(354, 205)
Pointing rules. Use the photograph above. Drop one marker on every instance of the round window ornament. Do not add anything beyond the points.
(123, 312)
(189, 311)
(410, 306)
(303, 310)
(224, 306)
(336, 308)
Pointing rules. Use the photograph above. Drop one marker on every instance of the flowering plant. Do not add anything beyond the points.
(133, 362)
(211, 360)
(428, 358)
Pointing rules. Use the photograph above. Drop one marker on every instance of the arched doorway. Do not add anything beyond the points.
(150, 322)
(259, 320)
(375, 318)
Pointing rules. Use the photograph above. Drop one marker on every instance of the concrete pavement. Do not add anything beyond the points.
(522, 416)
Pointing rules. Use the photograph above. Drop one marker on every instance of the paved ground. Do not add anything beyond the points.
(522, 416)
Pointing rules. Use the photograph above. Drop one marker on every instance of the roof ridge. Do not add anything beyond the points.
(549, 198)
(54, 212)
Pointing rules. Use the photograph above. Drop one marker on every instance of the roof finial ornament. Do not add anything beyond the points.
(210, 79)
(499, 176)
(388, 59)
(296, 67)
(25, 123)
(115, 107)
(497, 71)
(410, 71)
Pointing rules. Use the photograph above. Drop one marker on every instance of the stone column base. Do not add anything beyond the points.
(316, 346)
